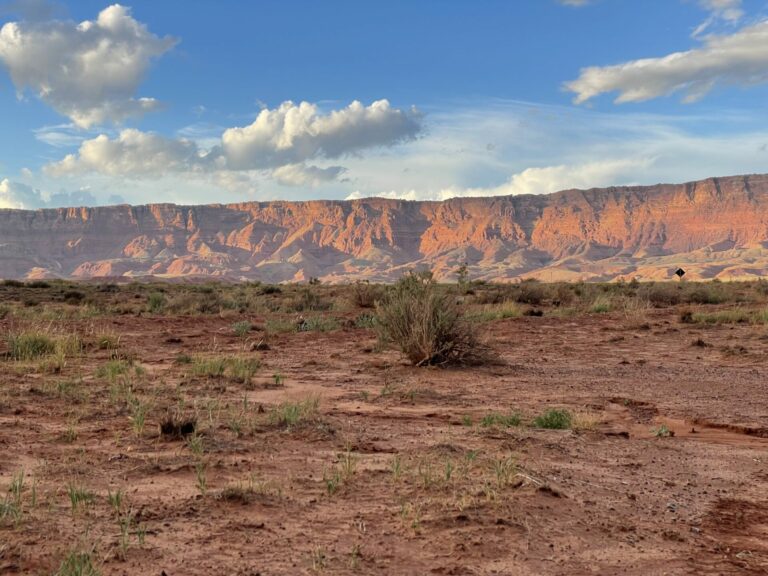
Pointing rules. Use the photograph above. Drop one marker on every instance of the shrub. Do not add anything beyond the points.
(155, 302)
(660, 295)
(308, 300)
(553, 420)
(426, 324)
(532, 292)
(365, 294)
(73, 297)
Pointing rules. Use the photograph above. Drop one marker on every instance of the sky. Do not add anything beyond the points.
(203, 101)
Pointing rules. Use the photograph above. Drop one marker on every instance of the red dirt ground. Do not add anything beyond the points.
(607, 498)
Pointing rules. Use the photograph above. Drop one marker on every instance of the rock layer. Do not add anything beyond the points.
(715, 228)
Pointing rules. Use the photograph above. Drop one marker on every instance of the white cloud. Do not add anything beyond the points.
(542, 180)
(18, 195)
(577, 3)
(133, 154)
(294, 133)
(728, 11)
(89, 71)
(302, 175)
(279, 141)
(740, 58)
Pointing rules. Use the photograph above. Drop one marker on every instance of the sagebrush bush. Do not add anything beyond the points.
(426, 324)
(365, 294)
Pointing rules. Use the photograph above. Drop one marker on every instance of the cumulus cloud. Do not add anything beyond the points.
(538, 180)
(301, 175)
(133, 153)
(279, 141)
(294, 133)
(89, 71)
(740, 58)
(18, 195)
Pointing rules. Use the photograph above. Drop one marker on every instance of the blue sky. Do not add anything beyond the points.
(196, 101)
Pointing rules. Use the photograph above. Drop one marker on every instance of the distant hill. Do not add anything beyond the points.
(715, 228)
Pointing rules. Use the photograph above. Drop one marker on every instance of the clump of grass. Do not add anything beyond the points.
(732, 316)
(201, 477)
(116, 500)
(243, 369)
(662, 432)
(113, 369)
(209, 367)
(293, 414)
(12, 506)
(79, 497)
(281, 326)
(26, 346)
(138, 417)
(602, 304)
(242, 328)
(554, 419)
(177, 425)
(500, 420)
(502, 311)
(318, 324)
(504, 470)
(425, 323)
(78, 563)
(584, 420)
(365, 321)
(107, 341)
(235, 368)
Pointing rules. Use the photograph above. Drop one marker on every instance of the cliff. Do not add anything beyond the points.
(715, 228)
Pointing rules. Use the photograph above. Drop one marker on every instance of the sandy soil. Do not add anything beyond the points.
(396, 474)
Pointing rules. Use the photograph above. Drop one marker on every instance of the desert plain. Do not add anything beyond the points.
(250, 429)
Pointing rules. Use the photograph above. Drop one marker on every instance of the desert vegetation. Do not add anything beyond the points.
(467, 427)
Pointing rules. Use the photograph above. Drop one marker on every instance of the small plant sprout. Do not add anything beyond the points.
(332, 480)
(504, 469)
(318, 559)
(115, 500)
(278, 378)
(77, 563)
(138, 416)
(79, 497)
(662, 432)
(396, 466)
(200, 475)
(348, 464)
(448, 471)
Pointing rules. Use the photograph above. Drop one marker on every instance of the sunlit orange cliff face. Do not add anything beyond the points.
(716, 228)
